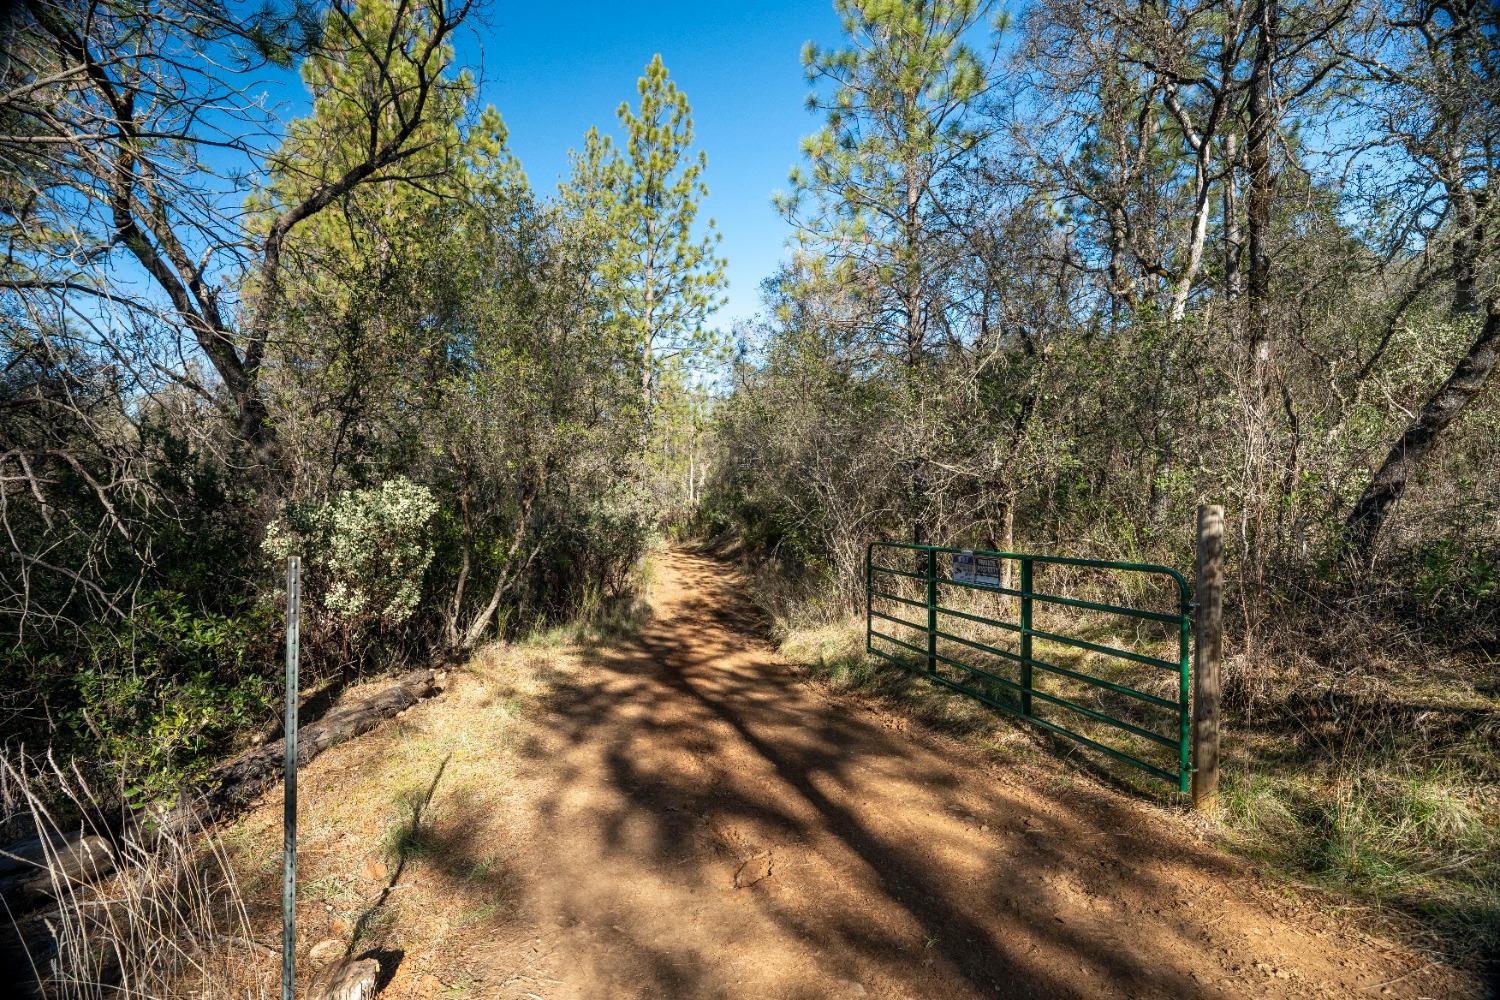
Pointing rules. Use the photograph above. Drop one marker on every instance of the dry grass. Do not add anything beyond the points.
(404, 833)
(170, 921)
(409, 834)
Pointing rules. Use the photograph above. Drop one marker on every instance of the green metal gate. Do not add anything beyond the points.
(1158, 720)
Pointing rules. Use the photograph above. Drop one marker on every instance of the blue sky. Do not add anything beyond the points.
(553, 71)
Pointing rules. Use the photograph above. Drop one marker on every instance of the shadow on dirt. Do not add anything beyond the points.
(901, 870)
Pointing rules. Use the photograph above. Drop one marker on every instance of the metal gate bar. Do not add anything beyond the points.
(1025, 688)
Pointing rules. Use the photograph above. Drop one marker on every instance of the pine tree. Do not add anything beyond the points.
(899, 125)
(657, 267)
(868, 210)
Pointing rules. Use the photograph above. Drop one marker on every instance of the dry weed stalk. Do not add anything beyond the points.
(162, 916)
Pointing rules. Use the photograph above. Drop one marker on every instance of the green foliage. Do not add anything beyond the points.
(455, 326)
(451, 399)
(1456, 578)
(900, 126)
(165, 692)
(1022, 316)
(481, 403)
(366, 552)
(1412, 833)
(407, 838)
(657, 266)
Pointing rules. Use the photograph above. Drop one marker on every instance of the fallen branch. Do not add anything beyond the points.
(232, 785)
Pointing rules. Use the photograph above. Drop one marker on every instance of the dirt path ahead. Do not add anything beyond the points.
(704, 825)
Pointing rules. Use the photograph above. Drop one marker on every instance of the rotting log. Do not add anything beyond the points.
(232, 785)
(32, 853)
(32, 961)
(22, 856)
(78, 859)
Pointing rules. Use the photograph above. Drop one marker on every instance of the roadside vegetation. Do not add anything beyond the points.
(1058, 272)
(1061, 273)
(360, 336)
(356, 333)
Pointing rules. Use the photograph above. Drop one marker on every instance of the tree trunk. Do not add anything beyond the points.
(648, 336)
(1233, 248)
(1198, 235)
(915, 336)
(1008, 542)
(1465, 242)
(1370, 512)
(1262, 127)
(41, 872)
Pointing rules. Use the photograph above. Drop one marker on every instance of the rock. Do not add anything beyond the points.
(375, 869)
(327, 950)
(349, 980)
(754, 870)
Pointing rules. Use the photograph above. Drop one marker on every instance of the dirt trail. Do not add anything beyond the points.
(704, 825)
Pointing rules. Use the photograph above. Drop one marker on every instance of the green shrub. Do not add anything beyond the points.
(162, 695)
(365, 554)
(1454, 578)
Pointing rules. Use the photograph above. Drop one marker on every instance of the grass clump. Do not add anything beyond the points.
(167, 917)
(407, 837)
(1407, 831)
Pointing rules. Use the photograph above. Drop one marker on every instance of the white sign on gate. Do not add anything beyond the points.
(979, 570)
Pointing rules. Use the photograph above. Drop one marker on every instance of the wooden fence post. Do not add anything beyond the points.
(932, 600)
(1208, 585)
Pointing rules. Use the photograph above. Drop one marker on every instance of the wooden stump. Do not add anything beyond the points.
(351, 979)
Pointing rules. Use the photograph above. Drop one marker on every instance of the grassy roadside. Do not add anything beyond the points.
(1371, 805)
(407, 834)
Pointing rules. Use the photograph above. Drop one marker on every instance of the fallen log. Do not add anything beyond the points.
(72, 943)
(31, 853)
(50, 872)
(232, 785)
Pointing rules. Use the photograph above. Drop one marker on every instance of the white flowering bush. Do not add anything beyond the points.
(365, 553)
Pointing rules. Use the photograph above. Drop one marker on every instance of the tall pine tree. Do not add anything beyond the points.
(657, 265)
(899, 101)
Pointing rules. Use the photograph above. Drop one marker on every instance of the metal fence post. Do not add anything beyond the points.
(1026, 637)
(289, 802)
(1209, 597)
(869, 596)
(932, 611)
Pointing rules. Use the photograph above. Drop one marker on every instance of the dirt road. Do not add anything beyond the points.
(707, 826)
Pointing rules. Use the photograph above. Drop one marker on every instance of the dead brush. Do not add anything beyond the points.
(120, 910)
